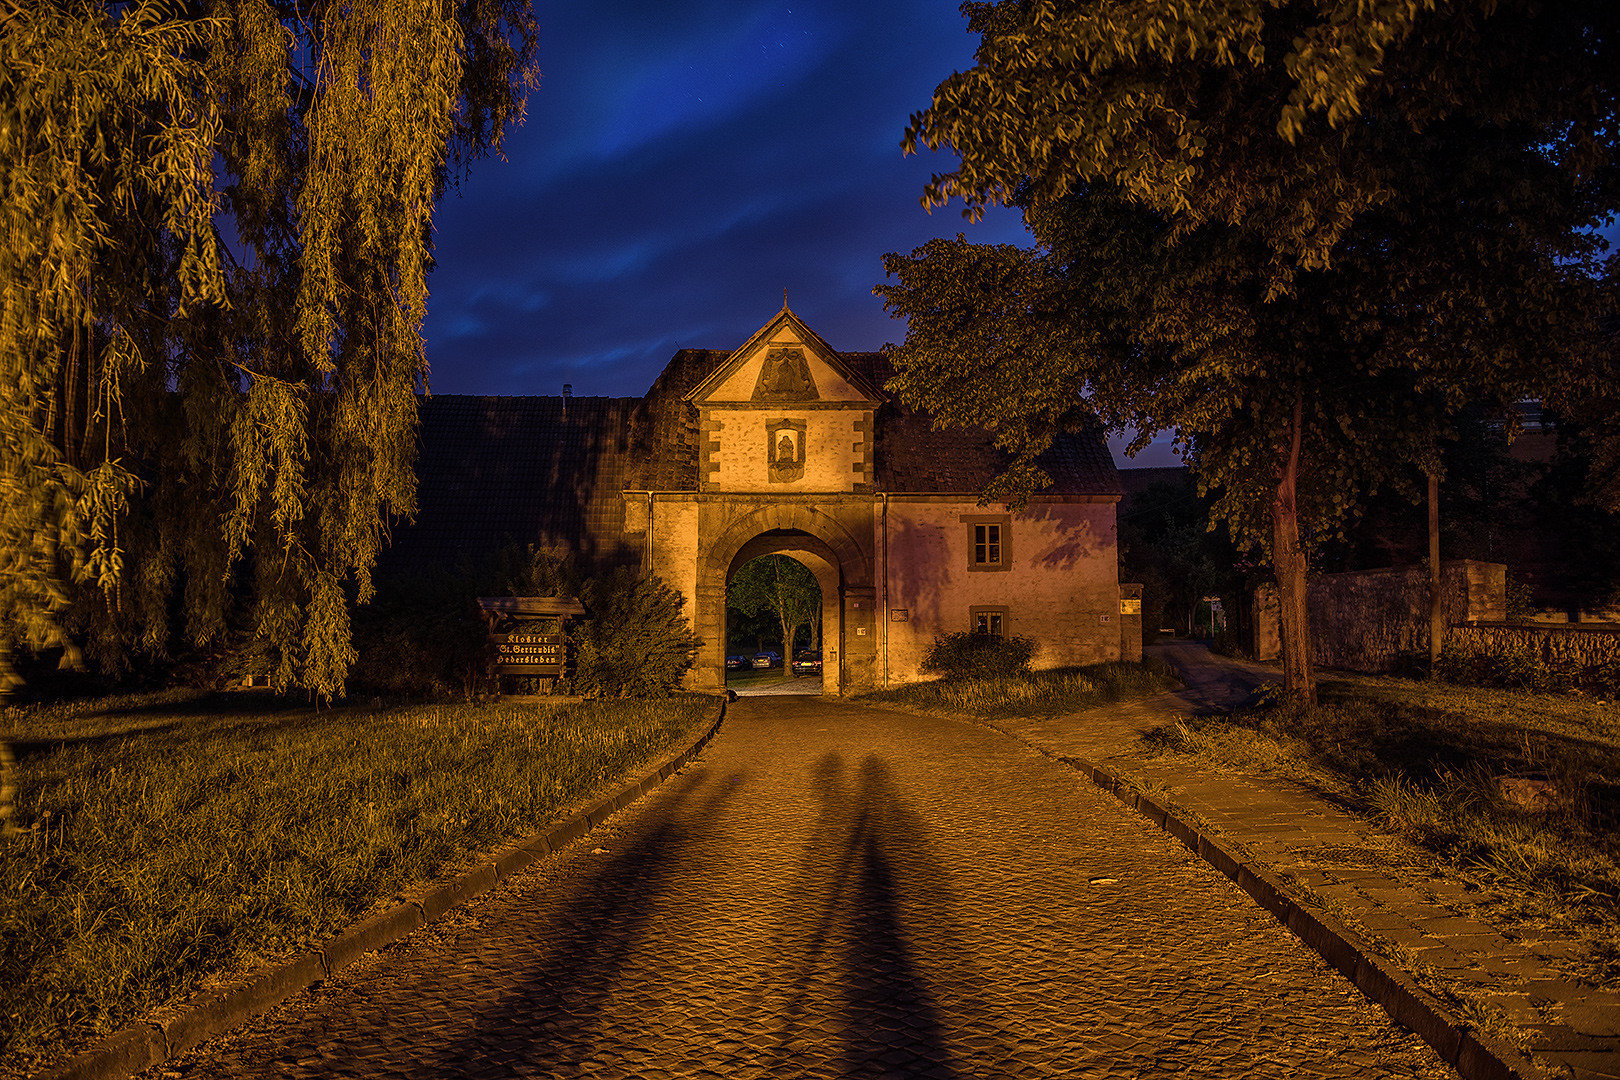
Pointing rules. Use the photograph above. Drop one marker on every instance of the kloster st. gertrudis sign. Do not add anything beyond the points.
(528, 654)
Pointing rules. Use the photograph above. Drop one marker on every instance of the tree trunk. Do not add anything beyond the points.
(1299, 681)
(1437, 613)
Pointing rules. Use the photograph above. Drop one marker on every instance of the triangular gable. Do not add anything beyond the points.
(784, 362)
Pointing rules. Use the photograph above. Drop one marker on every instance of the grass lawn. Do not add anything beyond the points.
(1040, 693)
(174, 836)
(1428, 761)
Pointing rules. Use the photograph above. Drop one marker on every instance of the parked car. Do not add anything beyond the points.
(807, 662)
(736, 663)
(767, 660)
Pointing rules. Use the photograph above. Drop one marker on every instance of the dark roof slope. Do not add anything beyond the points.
(498, 470)
(911, 455)
(663, 428)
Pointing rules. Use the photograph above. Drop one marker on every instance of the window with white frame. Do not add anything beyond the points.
(988, 541)
(991, 621)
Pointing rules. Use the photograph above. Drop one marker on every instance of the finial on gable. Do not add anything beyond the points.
(784, 299)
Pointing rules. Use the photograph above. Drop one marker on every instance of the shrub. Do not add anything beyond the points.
(634, 643)
(420, 636)
(423, 635)
(1516, 669)
(979, 656)
(1520, 604)
(1603, 678)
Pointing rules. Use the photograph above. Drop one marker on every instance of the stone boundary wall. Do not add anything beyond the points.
(1364, 620)
(1561, 647)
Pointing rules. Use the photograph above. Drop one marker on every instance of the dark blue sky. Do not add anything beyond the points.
(683, 162)
(681, 165)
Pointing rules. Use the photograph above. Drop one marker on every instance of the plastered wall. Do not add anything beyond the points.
(1060, 587)
(737, 442)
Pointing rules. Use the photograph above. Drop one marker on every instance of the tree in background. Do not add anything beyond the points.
(216, 223)
(1302, 234)
(1166, 543)
(777, 585)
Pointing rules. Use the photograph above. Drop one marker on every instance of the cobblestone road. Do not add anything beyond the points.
(836, 891)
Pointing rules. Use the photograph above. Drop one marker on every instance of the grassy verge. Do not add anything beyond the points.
(1429, 761)
(1041, 693)
(173, 837)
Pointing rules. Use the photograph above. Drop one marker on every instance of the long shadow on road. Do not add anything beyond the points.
(860, 986)
(577, 959)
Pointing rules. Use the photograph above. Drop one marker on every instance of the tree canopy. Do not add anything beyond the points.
(1301, 233)
(217, 236)
(781, 586)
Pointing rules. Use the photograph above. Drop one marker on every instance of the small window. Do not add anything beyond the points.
(987, 545)
(987, 542)
(991, 621)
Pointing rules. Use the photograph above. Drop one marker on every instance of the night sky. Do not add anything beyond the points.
(682, 164)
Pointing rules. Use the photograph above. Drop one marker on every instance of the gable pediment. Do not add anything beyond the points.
(785, 363)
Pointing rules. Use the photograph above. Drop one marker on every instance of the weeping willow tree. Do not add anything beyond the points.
(213, 275)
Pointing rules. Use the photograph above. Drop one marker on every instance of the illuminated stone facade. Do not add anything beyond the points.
(798, 451)
(785, 445)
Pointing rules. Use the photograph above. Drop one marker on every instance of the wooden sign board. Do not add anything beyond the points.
(528, 654)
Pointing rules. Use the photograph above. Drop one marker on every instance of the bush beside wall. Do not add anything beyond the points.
(979, 656)
(1530, 657)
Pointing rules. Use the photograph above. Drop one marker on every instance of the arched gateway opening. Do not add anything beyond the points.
(822, 563)
(842, 567)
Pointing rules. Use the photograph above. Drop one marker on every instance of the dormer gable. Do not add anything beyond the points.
(785, 414)
(785, 363)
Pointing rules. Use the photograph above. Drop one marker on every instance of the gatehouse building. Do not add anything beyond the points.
(786, 446)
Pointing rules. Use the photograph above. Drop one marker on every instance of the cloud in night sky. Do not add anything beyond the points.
(682, 164)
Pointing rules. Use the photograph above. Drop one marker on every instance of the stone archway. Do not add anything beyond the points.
(825, 542)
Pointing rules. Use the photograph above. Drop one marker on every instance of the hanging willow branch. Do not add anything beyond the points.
(251, 401)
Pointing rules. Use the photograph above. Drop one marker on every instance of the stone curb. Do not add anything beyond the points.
(1475, 1054)
(148, 1042)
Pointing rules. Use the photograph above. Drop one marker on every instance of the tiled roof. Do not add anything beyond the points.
(498, 470)
(663, 428)
(911, 456)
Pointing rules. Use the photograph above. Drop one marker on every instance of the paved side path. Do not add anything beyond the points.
(836, 891)
(1376, 881)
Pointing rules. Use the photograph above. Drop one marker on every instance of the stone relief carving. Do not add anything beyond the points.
(784, 449)
(785, 376)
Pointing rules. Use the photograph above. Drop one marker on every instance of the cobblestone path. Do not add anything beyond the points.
(836, 891)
